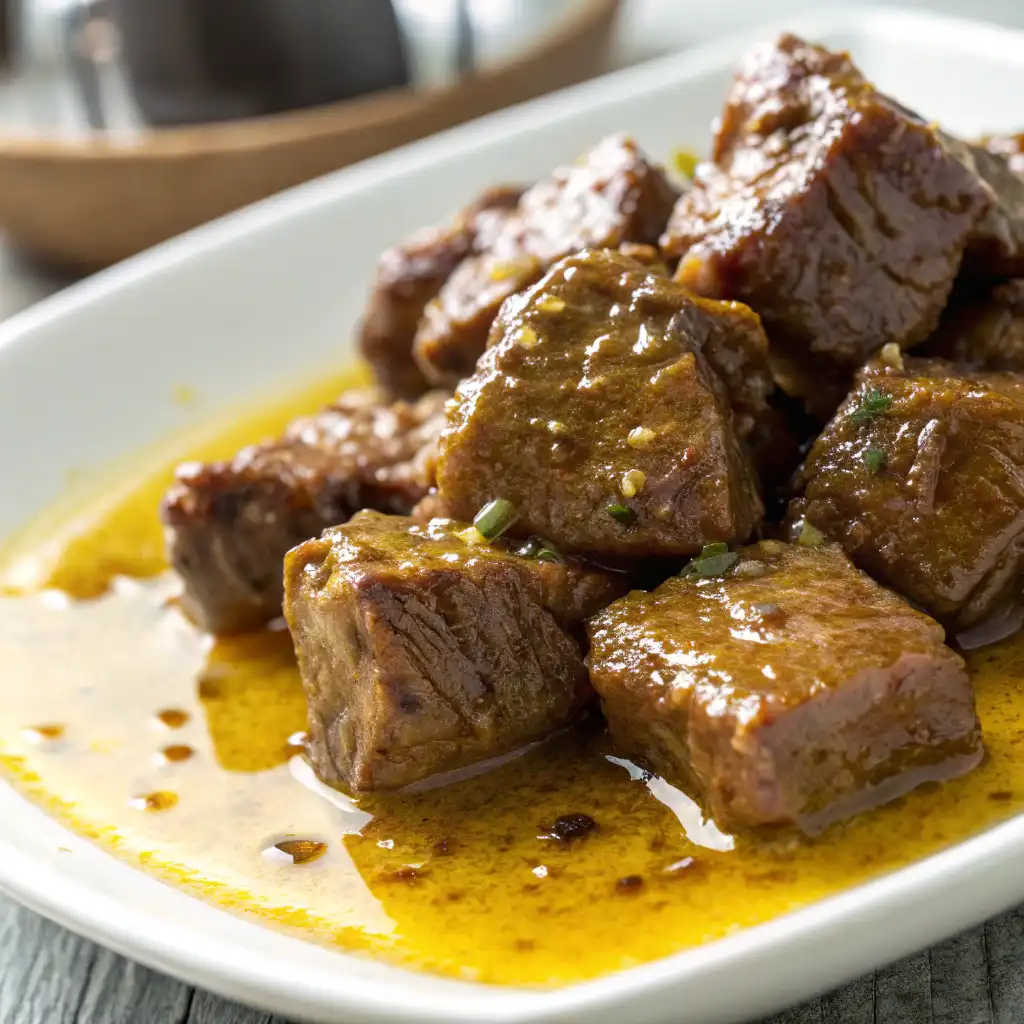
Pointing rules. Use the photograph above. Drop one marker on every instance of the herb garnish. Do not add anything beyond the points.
(621, 513)
(873, 403)
(875, 459)
(495, 518)
(714, 560)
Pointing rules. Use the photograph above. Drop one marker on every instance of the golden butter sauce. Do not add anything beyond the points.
(183, 756)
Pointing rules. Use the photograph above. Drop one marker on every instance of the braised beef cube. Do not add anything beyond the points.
(783, 687)
(611, 196)
(409, 275)
(996, 245)
(831, 210)
(603, 409)
(423, 652)
(920, 476)
(985, 334)
(230, 524)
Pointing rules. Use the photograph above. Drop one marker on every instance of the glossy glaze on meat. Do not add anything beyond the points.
(613, 195)
(834, 212)
(230, 524)
(409, 275)
(789, 689)
(611, 409)
(920, 476)
(423, 652)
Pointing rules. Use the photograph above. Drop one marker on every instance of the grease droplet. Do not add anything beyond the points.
(629, 884)
(172, 718)
(44, 733)
(176, 753)
(297, 851)
(570, 827)
(161, 800)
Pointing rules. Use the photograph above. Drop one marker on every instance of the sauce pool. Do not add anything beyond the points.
(183, 755)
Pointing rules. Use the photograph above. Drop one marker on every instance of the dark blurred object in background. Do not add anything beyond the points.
(195, 61)
(124, 122)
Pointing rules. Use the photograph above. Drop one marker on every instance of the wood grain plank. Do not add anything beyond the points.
(45, 968)
(808, 1013)
(903, 992)
(960, 980)
(210, 1009)
(121, 992)
(1004, 941)
(851, 1004)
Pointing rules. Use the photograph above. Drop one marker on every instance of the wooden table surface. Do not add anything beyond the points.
(49, 976)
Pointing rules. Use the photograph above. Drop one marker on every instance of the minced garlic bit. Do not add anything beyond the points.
(892, 355)
(556, 426)
(810, 536)
(751, 570)
(472, 536)
(550, 304)
(685, 162)
(632, 482)
(504, 269)
(527, 337)
(640, 436)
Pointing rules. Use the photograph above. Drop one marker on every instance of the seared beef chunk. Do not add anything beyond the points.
(409, 275)
(229, 524)
(783, 687)
(603, 409)
(835, 213)
(987, 334)
(611, 196)
(920, 477)
(996, 245)
(422, 652)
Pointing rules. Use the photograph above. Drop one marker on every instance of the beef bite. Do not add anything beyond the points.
(782, 686)
(834, 212)
(422, 652)
(409, 275)
(986, 333)
(611, 409)
(995, 247)
(230, 524)
(611, 196)
(920, 476)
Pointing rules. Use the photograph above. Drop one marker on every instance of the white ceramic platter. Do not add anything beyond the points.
(264, 295)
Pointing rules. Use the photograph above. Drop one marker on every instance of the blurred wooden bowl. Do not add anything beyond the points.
(84, 205)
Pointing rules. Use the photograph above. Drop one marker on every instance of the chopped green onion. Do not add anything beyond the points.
(810, 536)
(875, 459)
(873, 403)
(710, 550)
(495, 518)
(714, 560)
(621, 513)
(716, 565)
